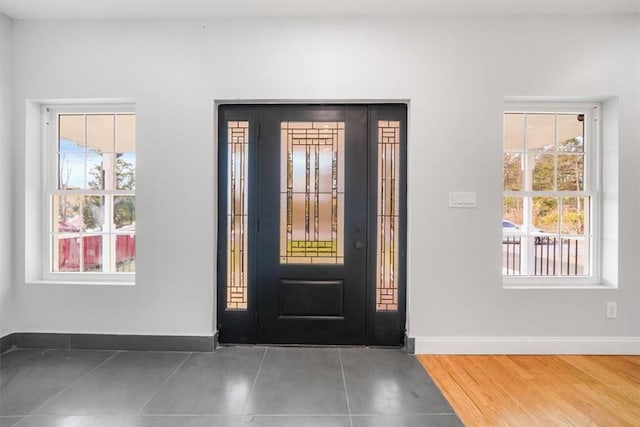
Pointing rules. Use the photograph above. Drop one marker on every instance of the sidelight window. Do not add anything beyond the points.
(388, 215)
(237, 214)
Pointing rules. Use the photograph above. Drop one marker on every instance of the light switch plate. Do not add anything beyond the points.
(462, 199)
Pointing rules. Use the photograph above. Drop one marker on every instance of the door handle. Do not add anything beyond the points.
(359, 245)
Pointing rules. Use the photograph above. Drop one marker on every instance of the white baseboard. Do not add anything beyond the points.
(528, 345)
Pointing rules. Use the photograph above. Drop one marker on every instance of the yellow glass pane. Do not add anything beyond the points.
(312, 193)
(237, 218)
(388, 219)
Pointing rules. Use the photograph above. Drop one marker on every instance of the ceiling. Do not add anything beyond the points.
(195, 9)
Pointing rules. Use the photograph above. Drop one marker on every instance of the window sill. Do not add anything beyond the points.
(85, 281)
(536, 284)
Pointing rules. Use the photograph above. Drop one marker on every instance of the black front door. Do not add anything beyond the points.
(312, 236)
(298, 205)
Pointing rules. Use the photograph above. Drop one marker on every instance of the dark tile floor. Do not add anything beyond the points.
(234, 386)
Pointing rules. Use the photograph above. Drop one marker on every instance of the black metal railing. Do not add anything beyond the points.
(511, 255)
(546, 253)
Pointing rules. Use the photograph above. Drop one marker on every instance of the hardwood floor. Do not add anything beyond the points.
(540, 390)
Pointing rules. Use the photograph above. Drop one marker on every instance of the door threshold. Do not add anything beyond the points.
(313, 346)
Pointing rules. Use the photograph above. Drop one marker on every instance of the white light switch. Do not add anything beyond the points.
(462, 199)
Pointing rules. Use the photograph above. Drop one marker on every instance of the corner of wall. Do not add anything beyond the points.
(6, 172)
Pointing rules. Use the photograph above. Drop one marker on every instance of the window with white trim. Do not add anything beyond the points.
(551, 201)
(89, 200)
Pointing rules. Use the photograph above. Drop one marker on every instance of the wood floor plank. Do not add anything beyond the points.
(539, 390)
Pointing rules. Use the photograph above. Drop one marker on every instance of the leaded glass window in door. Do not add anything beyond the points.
(312, 193)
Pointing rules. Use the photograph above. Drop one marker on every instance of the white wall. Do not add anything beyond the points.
(455, 71)
(6, 258)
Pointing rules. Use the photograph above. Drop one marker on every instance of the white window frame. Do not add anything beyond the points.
(592, 188)
(49, 114)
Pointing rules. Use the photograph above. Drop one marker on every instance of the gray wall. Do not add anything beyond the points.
(456, 73)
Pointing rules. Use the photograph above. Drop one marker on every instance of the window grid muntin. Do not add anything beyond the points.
(591, 172)
(53, 185)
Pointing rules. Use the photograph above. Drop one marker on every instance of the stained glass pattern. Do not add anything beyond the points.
(388, 215)
(237, 219)
(312, 193)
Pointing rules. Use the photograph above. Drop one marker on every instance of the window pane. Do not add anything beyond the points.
(575, 215)
(512, 211)
(71, 134)
(545, 214)
(512, 172)
(70, 170)
(541, 134)
(92, 253)
(574, 258)
(125, 133)
(95, 171)
(66, 253)
(93, 213)
(126, 253)
(66, 210)
(543, 172)
(514, 132)
(100, 133)
(126, 171)
(570, 133)
(571, 172)
(124, 213)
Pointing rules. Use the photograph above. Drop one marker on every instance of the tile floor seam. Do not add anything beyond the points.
(72, 384)
(346, 392)
(255, 380)
(163, 383)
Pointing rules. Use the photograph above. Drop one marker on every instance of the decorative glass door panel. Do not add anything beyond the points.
(312, 192)
(388, 215)
(237, 200)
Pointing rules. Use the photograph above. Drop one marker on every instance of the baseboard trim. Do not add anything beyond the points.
(409, 344)
(7, 342)
(113, 342)
(528, 345)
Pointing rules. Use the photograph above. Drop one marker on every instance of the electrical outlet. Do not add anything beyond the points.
(612, 310)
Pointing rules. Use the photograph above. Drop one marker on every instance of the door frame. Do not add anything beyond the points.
(240, 326)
